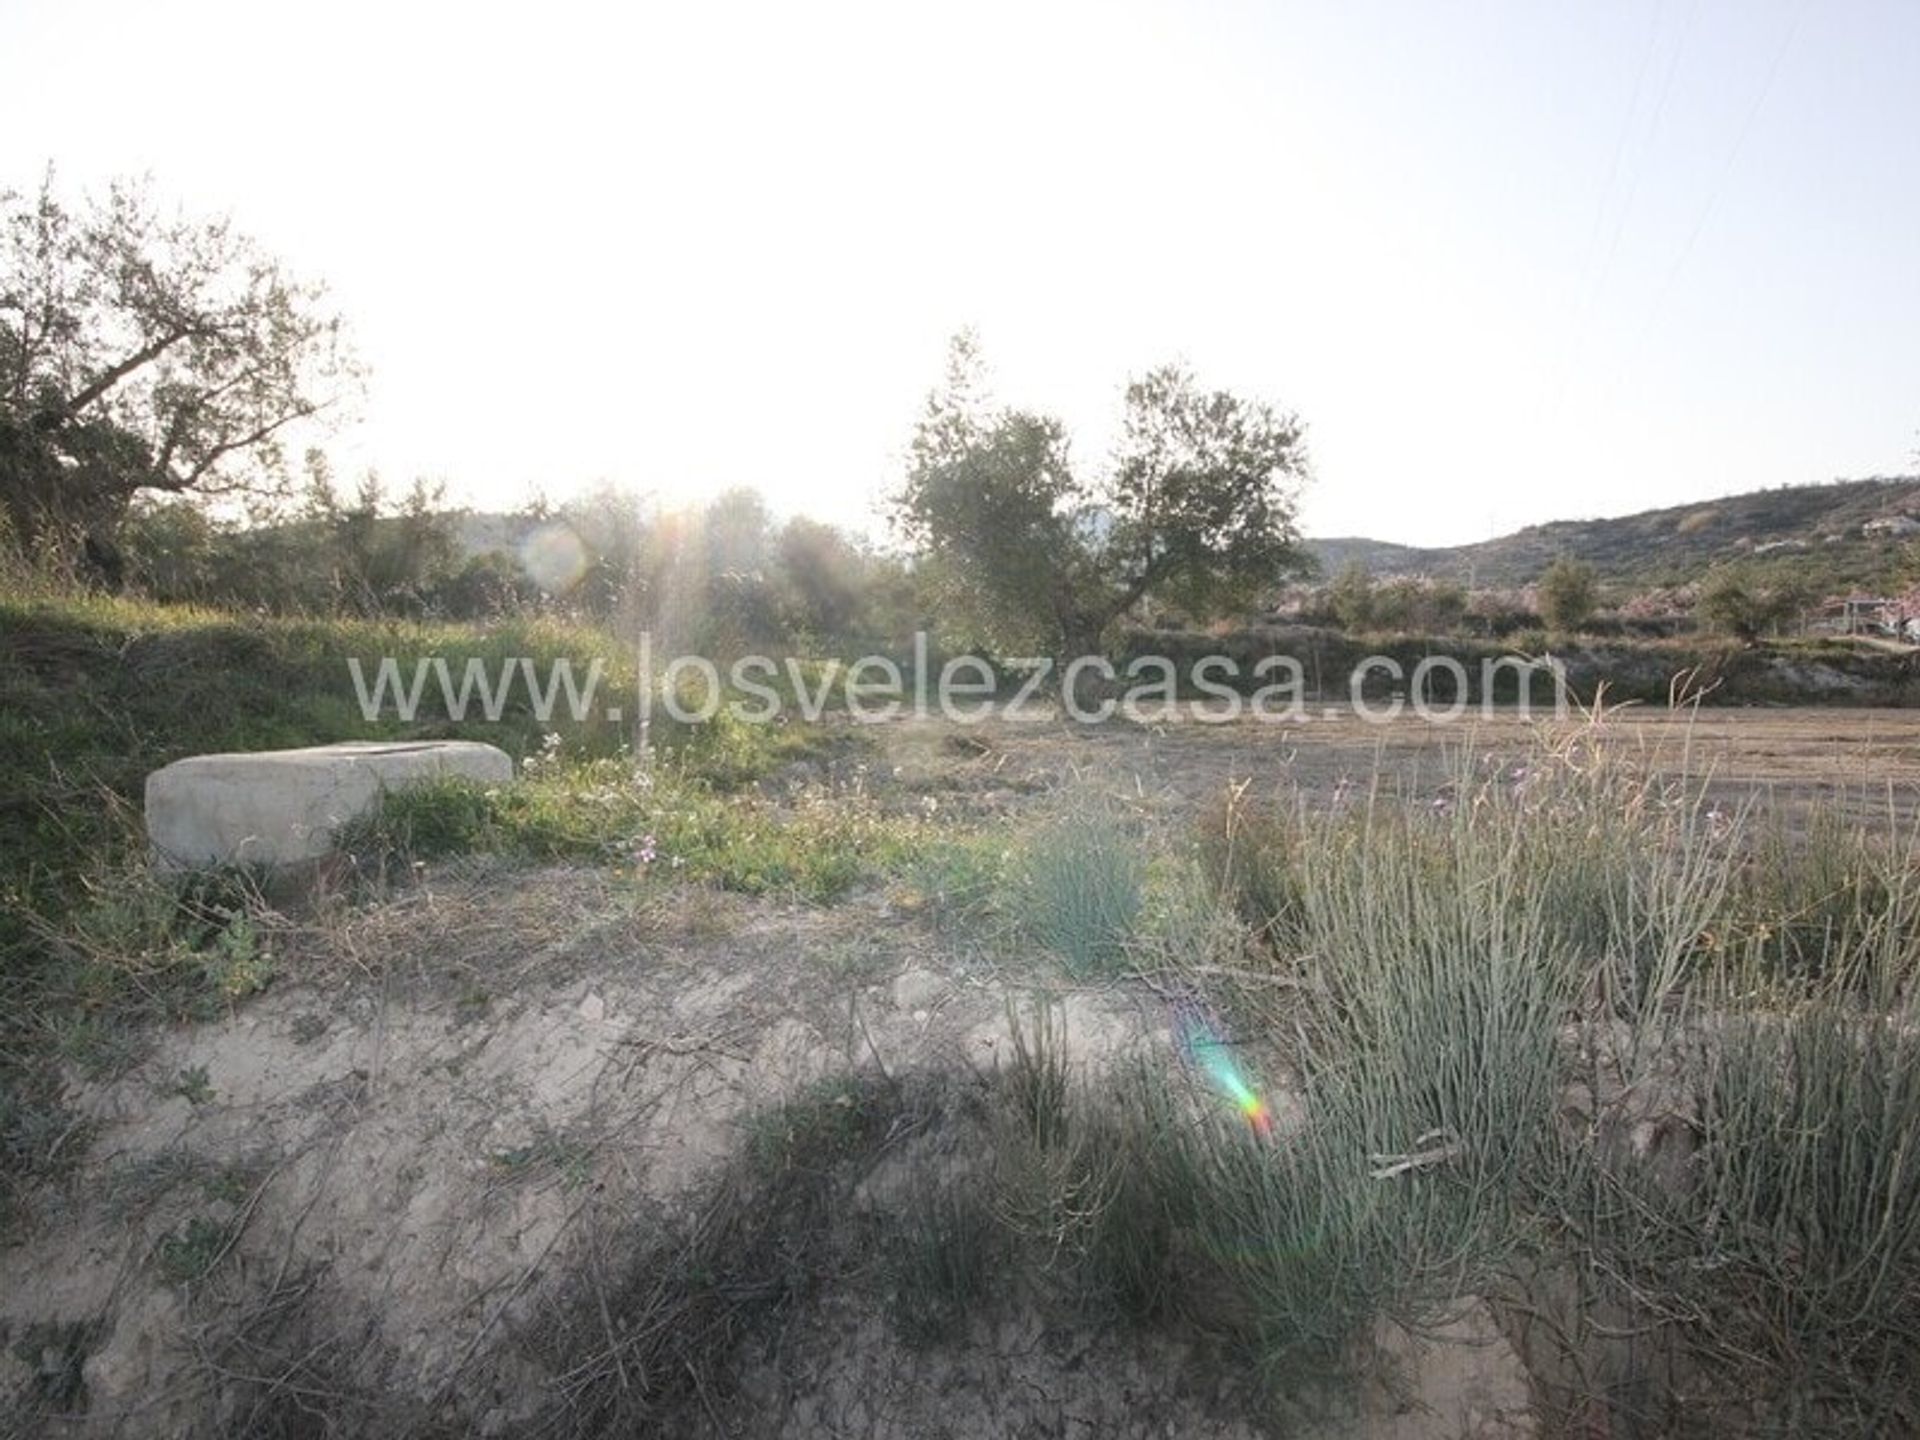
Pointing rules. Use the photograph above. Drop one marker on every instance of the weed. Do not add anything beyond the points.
(135, 1186)
(547, 1154)
(959, 881)
(818, 1127)
(640, 1344)
(40, 1138)
(1818, 894)
(1080, 880)
(193, 1086)
(55, 1354)
(307, 1027)
(941, 1255)
(1250, 853)
(852, 961)
(817, 846)
(1038, 1078)
(189, 1254)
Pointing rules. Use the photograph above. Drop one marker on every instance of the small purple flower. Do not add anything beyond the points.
(645, 853)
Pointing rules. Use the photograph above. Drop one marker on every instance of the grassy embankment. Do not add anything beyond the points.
(99, 692)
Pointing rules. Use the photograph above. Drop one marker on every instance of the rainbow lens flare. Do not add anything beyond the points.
(1206, 1050)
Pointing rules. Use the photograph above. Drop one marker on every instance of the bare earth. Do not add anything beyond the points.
(1865, 759)
(451, 1098)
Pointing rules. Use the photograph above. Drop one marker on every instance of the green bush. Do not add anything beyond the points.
(1080, 882)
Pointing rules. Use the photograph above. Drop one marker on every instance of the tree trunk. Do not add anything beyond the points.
(1081, 636)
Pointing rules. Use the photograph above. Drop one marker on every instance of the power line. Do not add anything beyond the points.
(1726, 171)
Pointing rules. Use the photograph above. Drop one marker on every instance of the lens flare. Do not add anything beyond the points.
(1205, 1049)
(555, 557)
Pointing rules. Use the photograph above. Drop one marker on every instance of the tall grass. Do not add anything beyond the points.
(1080, 883)
(1586, 1023)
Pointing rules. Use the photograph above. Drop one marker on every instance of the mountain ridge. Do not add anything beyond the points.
(1817, 529)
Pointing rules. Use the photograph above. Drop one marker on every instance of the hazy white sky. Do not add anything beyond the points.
(1511, 262)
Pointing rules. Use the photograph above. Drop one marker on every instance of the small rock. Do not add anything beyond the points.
(593, 1009)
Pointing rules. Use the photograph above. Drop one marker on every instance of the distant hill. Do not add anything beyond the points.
(1817, 530)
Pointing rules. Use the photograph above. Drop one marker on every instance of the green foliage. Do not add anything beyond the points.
(1249, 852)
(549, 1155)
(1352, 598)
(1038, 1081)
(960, 880)
(1809, 1191)
(1817, 893)
(137, 946)
(1567, 591)
(1198, 508)
(818, 846)
(1403, 604)
(142, 352)
(942, 1256)
(1442, 607)
(824, 580)
(55, 1353)
(101, 692)
(1736, 602)
(367, 555)
(189, 1254)
(193, 1086)
(688, 1292)
(1081, 878)
(382, 559)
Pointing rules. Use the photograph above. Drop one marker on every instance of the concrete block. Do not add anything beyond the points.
(283, 807)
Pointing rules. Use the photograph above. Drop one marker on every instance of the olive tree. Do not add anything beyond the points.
(1737, 602)
(1567, 594)
(1196, 509)
(146, 352)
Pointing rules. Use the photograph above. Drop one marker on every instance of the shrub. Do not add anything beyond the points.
(1249, 852)
(1566, 594)
(1736, 603)
(1080, 882)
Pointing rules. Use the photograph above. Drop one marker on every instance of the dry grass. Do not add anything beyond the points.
(1544, 1012)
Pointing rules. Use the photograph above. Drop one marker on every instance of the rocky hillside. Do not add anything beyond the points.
(1826, 532)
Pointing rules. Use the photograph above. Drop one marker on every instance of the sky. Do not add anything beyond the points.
(1510, 262)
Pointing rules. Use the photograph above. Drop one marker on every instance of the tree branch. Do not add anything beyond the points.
(165, 480)
(1137, 587)
(114, 374)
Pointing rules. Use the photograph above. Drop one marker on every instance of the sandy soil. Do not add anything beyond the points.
(459, 1085)
(375, 1173)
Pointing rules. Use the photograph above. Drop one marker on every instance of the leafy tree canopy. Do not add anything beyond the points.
(147, 352)
(1196, 510)
(1737, 602)
(1568, 594)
